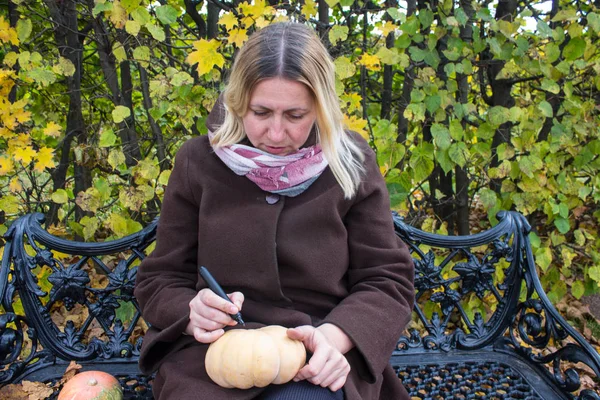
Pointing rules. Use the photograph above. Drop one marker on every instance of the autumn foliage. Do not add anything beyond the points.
(472, 107)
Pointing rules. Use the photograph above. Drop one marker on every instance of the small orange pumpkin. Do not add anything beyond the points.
(89, 385)
(243, 358)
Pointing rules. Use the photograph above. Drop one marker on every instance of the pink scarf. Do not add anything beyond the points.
(287, 175)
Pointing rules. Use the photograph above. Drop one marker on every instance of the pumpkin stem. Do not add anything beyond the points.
(92, 382)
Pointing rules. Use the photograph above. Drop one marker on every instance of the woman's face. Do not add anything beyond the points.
(280, 116)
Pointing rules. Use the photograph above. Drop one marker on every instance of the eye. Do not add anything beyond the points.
(260, 113)
(296, 116)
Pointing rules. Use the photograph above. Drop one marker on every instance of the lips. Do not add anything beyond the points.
(276, 150)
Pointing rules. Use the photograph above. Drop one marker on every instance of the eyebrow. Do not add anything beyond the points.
(294, 109)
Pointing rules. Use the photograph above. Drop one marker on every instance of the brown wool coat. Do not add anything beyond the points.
(310, 259)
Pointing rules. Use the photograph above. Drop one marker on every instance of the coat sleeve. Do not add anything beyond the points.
(380, 277)
(166, 279)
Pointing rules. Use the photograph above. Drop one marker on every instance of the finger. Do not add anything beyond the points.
(212, 300)
(339, 383)
(206, 324)
(302, 333)
(203, 313)
(203, 336)
(237, 298)
(331, 373)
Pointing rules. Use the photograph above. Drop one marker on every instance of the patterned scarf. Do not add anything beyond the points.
(287, 175)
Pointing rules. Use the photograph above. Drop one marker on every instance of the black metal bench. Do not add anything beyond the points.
(460, 345)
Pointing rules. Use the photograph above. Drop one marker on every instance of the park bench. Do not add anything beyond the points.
(460, 344)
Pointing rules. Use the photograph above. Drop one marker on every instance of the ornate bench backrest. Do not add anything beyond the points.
(467, 287)
(41, 274)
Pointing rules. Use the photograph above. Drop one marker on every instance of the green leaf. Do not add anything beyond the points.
(550, 86)
(498, 115)
(461, 16)
(441, 136)
(425, 17)
(120, 113)
(142, 55)
(543, 257)
(421, 161)
(90, 225)
(156, 31)
(433, 103)
(488, 198)
(546, 109)
(594, 273)
(558, 291)
(60, 196)
(458, 153)
(107, 138)
(338, 33)
(535, 240)
(574, 49)
(119, 52)
(332, 3)
(485, 131)
(101, 7)
(396, 14)
(563, 211)
(562, 224)
(163, 178)
(141, 15)
(130, 5)
(443, 159)
(344, 68)
(577, 289)
(167, 14)
(42, 76)
(456, 130)
(24, 28)
(594, 21)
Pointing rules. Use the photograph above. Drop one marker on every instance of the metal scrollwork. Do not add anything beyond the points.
(454, 274)
(97, 333)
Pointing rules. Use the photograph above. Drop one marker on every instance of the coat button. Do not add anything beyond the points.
(272, 198)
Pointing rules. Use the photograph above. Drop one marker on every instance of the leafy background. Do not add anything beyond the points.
(472, 107)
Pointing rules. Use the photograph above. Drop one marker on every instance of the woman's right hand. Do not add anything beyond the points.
(209, 314)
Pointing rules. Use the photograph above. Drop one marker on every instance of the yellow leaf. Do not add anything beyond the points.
(132, 27)
(18, 111)
(7, 34)
(309, 9)
(261, 22)
(351, 102)
(52, 129)
(64, 67)
(21, 140)
(237, 36)
(229, 20)
(15, 185)
(387, 27)
(6, 165)
(369, 61)
(24, 154)
(45, 159)
(118, 15)
(357, 125)
(247, 21)
(6, 133)
(206, 55)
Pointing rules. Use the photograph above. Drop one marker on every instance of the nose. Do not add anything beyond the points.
(276, 130)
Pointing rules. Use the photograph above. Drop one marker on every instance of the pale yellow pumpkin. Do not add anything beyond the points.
(243, 358)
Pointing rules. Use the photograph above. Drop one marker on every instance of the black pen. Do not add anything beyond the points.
(215, 287)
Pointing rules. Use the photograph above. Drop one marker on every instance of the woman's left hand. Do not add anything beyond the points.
(327, 367)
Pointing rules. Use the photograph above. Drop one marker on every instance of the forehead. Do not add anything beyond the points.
(278, 93)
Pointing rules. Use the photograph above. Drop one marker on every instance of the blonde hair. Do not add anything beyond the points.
(293, 51)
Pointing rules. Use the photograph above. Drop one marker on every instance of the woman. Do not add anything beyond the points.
(290, 214)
